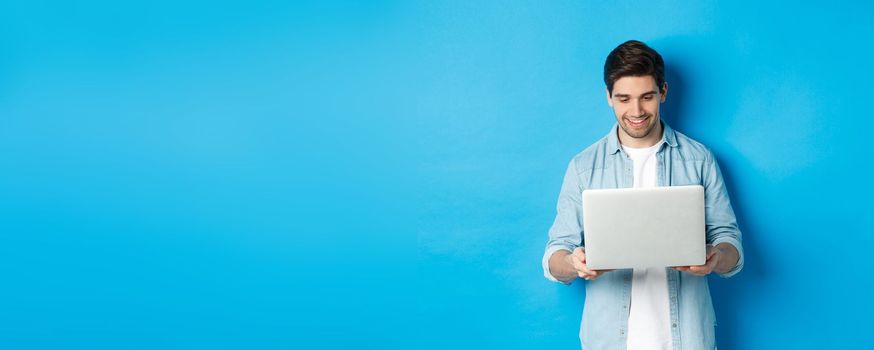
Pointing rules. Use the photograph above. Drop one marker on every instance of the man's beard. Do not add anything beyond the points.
(638, 132)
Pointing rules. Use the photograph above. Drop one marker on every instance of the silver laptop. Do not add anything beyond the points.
(644, 227)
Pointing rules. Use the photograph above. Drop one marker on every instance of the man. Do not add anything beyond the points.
(653, 308)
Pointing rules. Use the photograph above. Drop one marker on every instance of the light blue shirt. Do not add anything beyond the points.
(681, 161)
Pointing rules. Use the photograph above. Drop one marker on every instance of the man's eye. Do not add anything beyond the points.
(647, 97)
(623, 100)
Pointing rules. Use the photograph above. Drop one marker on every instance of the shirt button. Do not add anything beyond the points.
(674, 325)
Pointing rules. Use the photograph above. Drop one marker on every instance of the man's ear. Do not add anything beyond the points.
(664, 91)
(609, 97)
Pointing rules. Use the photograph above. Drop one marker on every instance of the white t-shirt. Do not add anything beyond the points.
(649, 320)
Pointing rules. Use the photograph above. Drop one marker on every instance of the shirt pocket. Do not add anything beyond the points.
(687, 173)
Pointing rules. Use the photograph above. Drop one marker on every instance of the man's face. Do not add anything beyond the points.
(635, 101)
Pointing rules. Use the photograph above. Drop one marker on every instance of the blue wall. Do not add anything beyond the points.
(383, 175)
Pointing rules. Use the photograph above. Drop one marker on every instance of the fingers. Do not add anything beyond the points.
(584, 272)
(710, 264)
(580, 253)
(703, 270)
(579, 261)
(700, 270)
(711, 260)
(711, 251)
(590, 275)
(598, 273)
(697, 270)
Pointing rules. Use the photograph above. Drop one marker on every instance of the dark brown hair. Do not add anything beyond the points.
(633, 58)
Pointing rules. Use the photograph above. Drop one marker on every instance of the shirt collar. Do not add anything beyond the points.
(613, 145)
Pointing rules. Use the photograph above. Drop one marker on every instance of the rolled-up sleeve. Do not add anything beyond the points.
(566, 232)
(720, 221)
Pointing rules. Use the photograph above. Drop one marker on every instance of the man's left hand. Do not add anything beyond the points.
(713, 256)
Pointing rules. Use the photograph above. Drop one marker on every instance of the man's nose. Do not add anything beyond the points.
(636, 108)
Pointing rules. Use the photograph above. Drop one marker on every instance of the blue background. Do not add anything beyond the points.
(383, 174)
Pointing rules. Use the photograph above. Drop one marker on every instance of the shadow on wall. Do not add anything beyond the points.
(675, 106)
(729, 295)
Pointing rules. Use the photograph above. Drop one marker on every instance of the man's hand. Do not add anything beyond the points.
(578, 260)
(713, 256)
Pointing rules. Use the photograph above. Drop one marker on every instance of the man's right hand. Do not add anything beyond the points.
(578, 260)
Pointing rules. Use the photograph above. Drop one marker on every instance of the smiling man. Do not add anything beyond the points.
(651, 308)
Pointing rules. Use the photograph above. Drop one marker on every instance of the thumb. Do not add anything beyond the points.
(580, 253)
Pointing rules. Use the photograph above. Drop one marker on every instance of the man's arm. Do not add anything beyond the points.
(721, 223)
(721, 226)
(566, 234)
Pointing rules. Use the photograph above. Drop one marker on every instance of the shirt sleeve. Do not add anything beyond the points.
(566, 232)
(720, 221)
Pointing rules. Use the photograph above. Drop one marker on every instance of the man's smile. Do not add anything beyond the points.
(636, 122)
